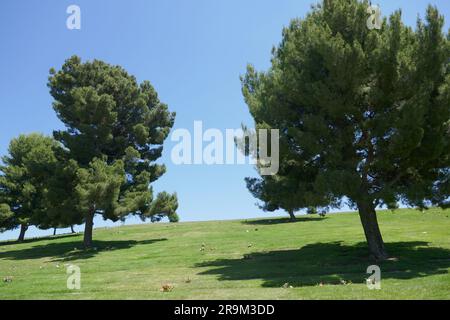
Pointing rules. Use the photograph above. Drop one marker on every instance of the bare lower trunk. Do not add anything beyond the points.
(374, 239)
(71, 229)
(23, 229)
(292, 216)
(88, 227)
(54, 231)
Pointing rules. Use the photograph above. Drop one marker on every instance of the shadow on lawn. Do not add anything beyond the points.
(281, 220)
(32, 240)
(331, 263)
(72, 250)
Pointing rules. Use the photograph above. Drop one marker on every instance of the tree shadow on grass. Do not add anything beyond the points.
(281, 220)
(39, 239)
(72, 250)
(331, 263)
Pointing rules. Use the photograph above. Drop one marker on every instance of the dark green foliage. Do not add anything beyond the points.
(62, 201)
(311, 210)
(165, 204)
(275, 192)
(6, 217)
(363, 114)
(115, 129)
(99, 187)
(23, 190)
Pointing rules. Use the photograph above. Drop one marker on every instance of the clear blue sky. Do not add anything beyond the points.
(192, 51)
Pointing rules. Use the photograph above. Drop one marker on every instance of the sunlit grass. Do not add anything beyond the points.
(314, 258)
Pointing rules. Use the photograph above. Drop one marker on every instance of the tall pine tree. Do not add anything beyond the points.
(115, 129)
(363, 114)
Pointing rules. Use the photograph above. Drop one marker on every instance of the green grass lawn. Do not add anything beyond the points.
(319, 258)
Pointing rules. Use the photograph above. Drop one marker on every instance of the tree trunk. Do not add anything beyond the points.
(54, 231)
(292, 216)
(89, 225)
(23, 229)
(71, 229)
(374, 239)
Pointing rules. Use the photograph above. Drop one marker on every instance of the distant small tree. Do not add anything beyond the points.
(115, 129)
(275, 192)
(280, 191)
(363, 114)
(24, 173)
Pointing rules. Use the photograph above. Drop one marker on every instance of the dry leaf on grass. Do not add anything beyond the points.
(166, 288)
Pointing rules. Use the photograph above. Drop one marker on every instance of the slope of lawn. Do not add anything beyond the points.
(314, 258)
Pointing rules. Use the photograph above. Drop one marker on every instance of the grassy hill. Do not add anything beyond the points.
(314, 258)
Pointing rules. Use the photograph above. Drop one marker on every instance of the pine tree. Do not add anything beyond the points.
(23, 190)
(276, 192)
(115, 129)
(363, 114)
